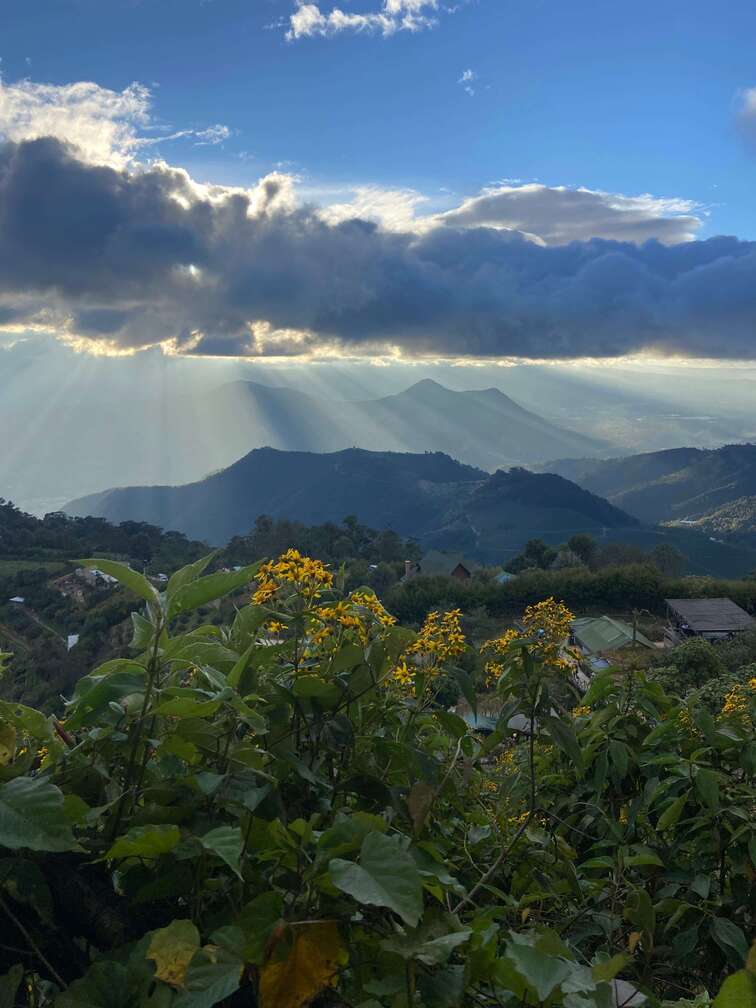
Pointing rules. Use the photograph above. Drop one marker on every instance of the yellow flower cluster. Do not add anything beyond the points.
(506, 761)
(490, 786)
(340, 613)
(305, 575)
(737, 701)
(493, 672)
(547, 624)
(440, 637)
(366, 600)
(582, 711)
(274, 628)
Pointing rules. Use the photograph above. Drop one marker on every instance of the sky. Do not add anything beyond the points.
(383, 178)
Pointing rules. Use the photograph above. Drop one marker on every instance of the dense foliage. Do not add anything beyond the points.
(277, 811)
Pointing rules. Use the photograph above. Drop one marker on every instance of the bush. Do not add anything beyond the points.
(277, 811)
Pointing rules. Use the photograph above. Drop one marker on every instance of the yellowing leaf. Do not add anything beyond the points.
(633, 938)
(172, 948)
(311, 966)
(7, 743)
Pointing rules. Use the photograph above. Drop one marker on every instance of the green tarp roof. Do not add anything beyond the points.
(602, 633)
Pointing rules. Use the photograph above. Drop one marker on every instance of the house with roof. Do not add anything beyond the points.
(711, 619)
(600, 636)
(438, 564)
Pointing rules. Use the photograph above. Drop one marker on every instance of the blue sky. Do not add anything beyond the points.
(628, 98)
(516, 127)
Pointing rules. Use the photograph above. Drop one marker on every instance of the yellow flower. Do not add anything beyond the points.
(736, 702)
(506, 761)
(402, 674)
(490, 786)
(306, 575)
(547, 627)
(275, 627)
(623, 815)
(581, 711)
(369, 601)
(440, 638)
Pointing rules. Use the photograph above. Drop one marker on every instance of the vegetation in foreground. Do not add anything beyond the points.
(277, 811)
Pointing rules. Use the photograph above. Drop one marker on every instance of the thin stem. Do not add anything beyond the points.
(32, 944)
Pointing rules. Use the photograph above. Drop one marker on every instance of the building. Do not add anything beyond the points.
(711, 619)
(438, 564)
(597, 635)
(504, 577)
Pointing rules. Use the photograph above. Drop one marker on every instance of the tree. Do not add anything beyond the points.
(668, 560)
(584, 546)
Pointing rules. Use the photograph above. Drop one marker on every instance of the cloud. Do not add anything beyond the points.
(466, 81)
(107, 127)
(557, 214)
(128, 258)
(308, 20)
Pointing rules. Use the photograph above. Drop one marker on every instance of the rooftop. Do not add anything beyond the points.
(602, 633)
(711, 615)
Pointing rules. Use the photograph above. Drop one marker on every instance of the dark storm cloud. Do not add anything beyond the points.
(139, 257)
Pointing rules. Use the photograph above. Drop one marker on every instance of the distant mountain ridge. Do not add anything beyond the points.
(182, 438)
(675, 485)
(429, 496)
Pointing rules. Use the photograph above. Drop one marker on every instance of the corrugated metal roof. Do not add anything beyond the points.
(602, 633)
(711, 615)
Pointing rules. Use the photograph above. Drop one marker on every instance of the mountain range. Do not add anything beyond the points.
(64, 447)
(430, 496)
(681, 485)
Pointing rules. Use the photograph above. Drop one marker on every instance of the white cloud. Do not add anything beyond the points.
(393, 209)
(106, 126)
(466, 81)
(308, 20)
(558, 214)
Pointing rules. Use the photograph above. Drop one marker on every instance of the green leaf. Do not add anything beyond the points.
(437, 951)
(172, 948)
(26, 884)
(226, 843)
(106, 984)
(207, 589)
(386, 876)
(313, 687)
(211, 977)
(647, 857)
(143, 630)
(187, 706)
(729, 937)
(672, 812)
(188, 574)
(145, 842)
(619, 757)
(609, 969)
(32, 816)
(257, 920)
(707, 788)
(541, 972)
(738, 991)
(9, 984)
(236, 673)
(565, 738)
(129, 578)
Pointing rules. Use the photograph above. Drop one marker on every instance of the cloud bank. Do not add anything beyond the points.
(134, 258)
(308, 20)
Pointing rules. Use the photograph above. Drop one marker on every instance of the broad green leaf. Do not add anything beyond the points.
(315, 956)
(207, 589)
(226, 843)
(619, 757)
(172, 948)
(730, 938)
(142, 631)
(106, 984)
(32, 816)
(188, 574)
(542, 973)
(27, 721)
(738, 991)
(129, 578)
(609, 969)
(213, 975)
(236, 673)
(145, 842)
(386, 876)
(648, 857)
(707, 788)
(564, 736)
(25, 883)
(7, 743)
(187, 706)
(9, 984)
(437, 951)
(257, 921)
(672, 813)
(313, 687)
